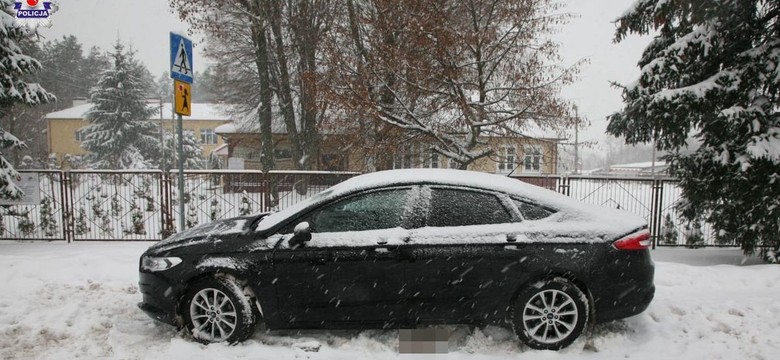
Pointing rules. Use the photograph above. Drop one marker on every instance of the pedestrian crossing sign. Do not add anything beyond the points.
(181, 58)
(183, 96)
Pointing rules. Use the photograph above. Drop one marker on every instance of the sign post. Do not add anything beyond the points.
(182, 73)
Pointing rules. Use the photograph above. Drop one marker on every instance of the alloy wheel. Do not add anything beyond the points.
(550, 316)
(213, 315)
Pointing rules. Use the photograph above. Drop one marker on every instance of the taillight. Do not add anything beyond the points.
(637, 241)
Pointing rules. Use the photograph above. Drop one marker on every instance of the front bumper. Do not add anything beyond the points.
(160, 298)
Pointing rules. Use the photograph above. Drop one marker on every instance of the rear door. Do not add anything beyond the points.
(464, 259)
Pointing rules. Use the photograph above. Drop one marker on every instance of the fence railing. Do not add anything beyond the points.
(84, 205)
(653, 199)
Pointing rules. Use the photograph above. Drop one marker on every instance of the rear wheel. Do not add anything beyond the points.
(550, 314)
(216, 310)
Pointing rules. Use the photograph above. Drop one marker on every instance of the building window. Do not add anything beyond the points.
(430, 159)
(282, 153)
(404, 159)
(333, 162)
(532, 161)
(454, 164)
(208, 137)
(80, 135)
(506, 159)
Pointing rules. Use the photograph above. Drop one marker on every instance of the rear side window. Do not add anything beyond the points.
(531, 211)
(456, 207)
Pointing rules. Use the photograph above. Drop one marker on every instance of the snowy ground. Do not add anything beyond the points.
(66, 301)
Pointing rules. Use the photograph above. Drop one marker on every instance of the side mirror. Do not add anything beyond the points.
(301, 234)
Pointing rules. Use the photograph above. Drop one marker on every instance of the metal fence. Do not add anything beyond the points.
(83, 205)
(653, 199)
(143, 205)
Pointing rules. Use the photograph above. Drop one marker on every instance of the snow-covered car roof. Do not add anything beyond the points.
(609, 221)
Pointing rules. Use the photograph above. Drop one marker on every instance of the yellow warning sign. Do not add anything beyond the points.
(182, 97)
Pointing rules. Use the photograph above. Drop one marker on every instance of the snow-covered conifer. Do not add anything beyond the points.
(192, 152)
(120, 134)
(246, 204)
(48, 221)
(81, 226)
(216, 210)
(713, 71)
(694, 237)
(192, 216)
(14, 66)
(668, 231)
(26, 226)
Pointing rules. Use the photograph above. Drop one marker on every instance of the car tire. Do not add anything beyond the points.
(216, 309)
(550, 314)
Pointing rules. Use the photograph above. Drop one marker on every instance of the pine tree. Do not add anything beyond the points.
(694, 237)
(48, 222)
(668, 231)
(192, 216)
(192, 152)
(116, 207)
(712, 71)
(246, 204)
(26, 226)
(137, 217)
(215, 209)
(14, 66)
(120, 134)
(81, 226)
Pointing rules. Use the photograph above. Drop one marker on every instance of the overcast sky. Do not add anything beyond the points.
(146, 23)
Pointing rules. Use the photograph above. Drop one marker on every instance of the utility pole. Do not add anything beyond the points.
(162, 131)
(576, 140)
(181, 175)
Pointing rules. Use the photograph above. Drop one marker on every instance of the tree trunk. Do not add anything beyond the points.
(264, 115)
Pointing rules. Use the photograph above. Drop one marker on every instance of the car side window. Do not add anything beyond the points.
(531, 211)
(377, 210)
(457, 207)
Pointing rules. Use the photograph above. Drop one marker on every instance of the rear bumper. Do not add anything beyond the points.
(159, 299)
(625, 285)
(632, 302)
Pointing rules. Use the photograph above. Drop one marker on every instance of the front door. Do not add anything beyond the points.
(351, 266)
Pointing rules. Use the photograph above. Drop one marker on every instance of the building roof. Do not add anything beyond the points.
(248, 124)
(200, 111)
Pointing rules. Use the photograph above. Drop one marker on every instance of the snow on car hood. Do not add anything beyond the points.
(588, 220)
(202, 233)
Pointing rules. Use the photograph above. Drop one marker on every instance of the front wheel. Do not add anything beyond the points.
(216, 310)
(550, 314)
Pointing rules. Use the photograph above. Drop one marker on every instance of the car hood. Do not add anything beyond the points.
(207, 237)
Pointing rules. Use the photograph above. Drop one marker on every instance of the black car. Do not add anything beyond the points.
(402, 249)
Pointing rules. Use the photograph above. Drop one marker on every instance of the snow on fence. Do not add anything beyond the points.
(83, 205)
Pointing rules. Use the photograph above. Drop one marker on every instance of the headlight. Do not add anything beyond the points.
(153, 264)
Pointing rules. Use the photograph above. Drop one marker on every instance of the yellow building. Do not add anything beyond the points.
(64, 135)
(515, 155)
